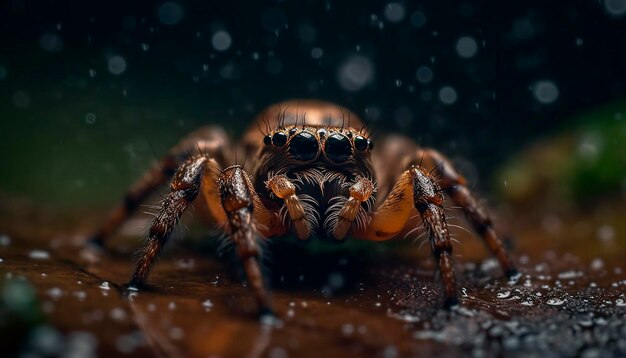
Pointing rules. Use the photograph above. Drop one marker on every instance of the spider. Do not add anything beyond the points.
(312, 174)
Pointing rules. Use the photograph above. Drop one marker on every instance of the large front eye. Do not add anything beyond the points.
(338, 148)
(304, 146)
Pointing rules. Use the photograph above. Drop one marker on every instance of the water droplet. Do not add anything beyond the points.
(116, 65)
(145, 47)
(424, 74)
(207, 304)
(545, 91)
(90, 118)
(92, 73)
(466, 47)
(5, 240)
(447, 95)
(394, 12)
(556, 302)
(317, 53)
(39, 255)
(355, 73)
(170, 13)
(117, 314)
(502, 295)
(615, 8)
(221, 40)
(418, 19)
(105, 286)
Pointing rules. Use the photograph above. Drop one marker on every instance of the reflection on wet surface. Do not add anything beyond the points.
(375, 300)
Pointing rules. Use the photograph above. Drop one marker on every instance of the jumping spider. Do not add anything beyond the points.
(313, 174)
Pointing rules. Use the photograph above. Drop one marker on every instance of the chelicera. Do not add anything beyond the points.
(314, 172)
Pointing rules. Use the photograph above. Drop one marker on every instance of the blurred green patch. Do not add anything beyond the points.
(586, 161)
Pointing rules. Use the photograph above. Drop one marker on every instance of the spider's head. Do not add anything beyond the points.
(307, 144)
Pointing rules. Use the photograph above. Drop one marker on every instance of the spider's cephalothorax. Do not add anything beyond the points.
(322, 163)
(313, 172)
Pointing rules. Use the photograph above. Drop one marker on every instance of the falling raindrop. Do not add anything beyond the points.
(545, 91)
(221, 40)
(394, 12)
(424, 74)
(170, 13)
(466, 47)
(355, 73)
(117, 65)
(447, 95)
(51, 42)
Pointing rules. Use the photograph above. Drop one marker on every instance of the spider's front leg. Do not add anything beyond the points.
(455, 186)
(416, 189)
(239, 200)
(184, 188)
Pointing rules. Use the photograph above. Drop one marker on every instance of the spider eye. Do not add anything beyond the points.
(267, 140)
(304, 146)
(338, 148)
(360, 143)
(279, 139)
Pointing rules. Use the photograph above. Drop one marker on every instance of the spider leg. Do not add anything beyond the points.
(283, 188)
(455, 186)
(238, 200)
(184, 188)
(210, 141)
(417, 189)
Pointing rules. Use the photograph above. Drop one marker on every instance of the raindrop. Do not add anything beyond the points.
(545, 91)
(424, 74)
(117, 65)
(170, 13)
(394, 12)
(606, 233)
(55, 293)
(207, 304)
(418, 19)
(355, 73)
(21, 99)
(502, 295)
(145, 46)
(615, 8)
(221, 40)
(105, 286)
(92, 73)
(579, 41)
(90, 118)
(447, 95)
(51, 42)
(3, 73)
(466, 47)
(39, 255)
(317, 53)
(555, 302)
(117, 314)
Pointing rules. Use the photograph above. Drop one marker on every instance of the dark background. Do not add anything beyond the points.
(74, 132)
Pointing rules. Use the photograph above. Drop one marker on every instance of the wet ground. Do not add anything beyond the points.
(365, 300)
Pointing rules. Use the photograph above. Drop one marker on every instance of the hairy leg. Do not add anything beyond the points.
(211, 141)
(455, 186)
(238, 200)
(416, 189)
(184, 189)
